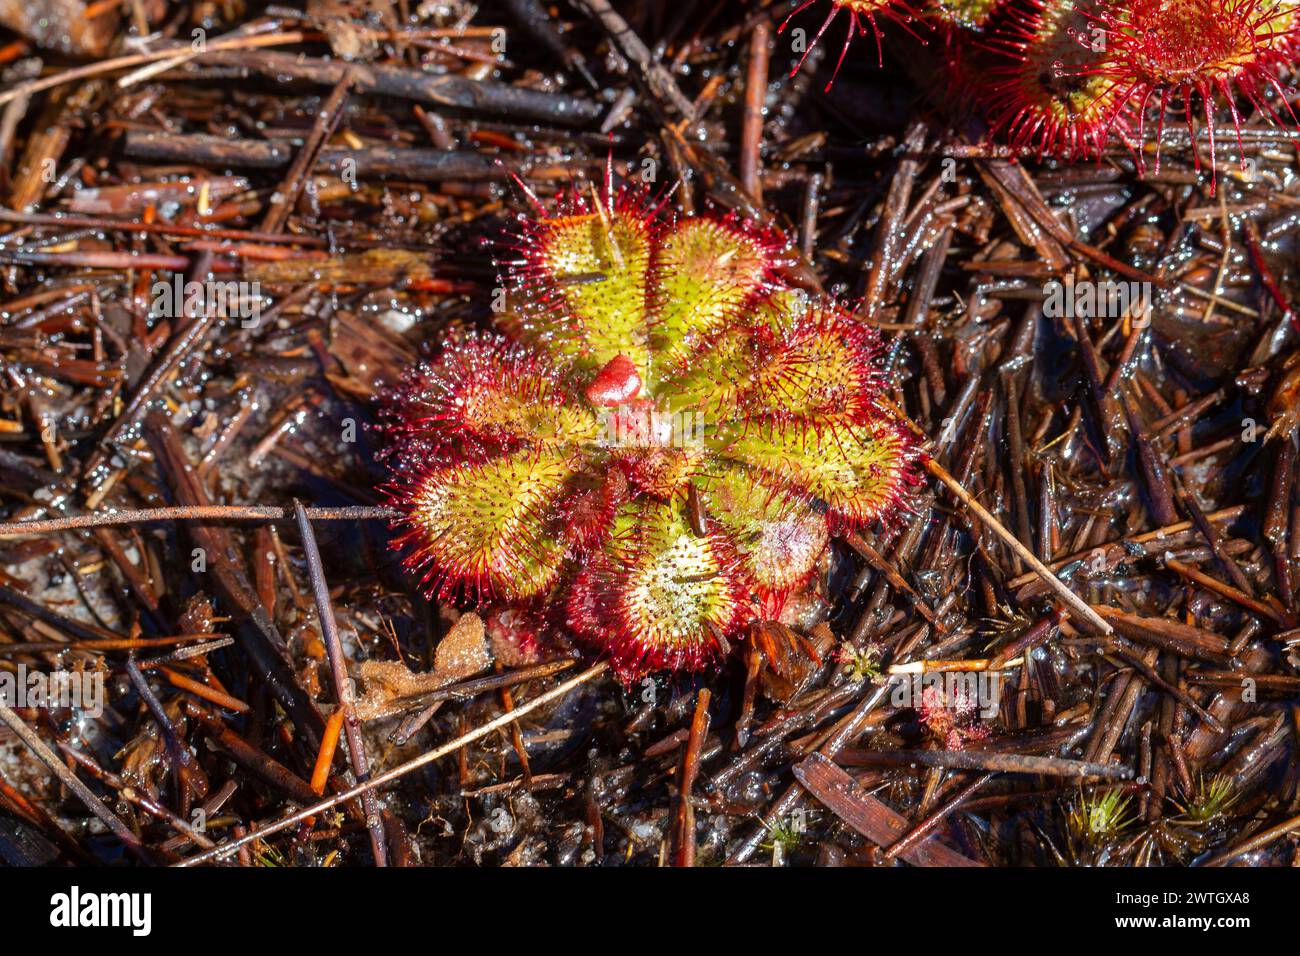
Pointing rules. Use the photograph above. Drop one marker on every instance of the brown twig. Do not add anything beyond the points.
(342, 682)
(690, 768)
(194, 513)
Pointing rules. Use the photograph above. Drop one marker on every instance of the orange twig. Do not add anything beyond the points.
(325, 757)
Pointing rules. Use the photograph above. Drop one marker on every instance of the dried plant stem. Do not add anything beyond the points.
(655, 75)
(1076, 603)
(193, 513)
(342, 684)
(136, 59)
(877, 561)
(1227, 591)
(760, 49)
(690, 769)
(914, 836)
(1254, 843)
(985, 760)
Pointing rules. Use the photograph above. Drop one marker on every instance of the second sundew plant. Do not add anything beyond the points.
(1068, 78)
(657, 446)
(1211, 51)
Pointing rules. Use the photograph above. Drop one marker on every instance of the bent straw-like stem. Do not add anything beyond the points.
(1076, 603)
(342, 684)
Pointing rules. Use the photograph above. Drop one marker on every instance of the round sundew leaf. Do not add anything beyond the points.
(1212, 50)
(590, 272)
(585, 609)
(489, 394)
(1200, 43)
(819, 369)
(704, 272)
(858, 471)
(711, 382)
(669, 591)
(1044, 88)
(777, 537)
(484, 526)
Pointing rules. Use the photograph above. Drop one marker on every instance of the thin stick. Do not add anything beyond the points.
(877, 561)
(914, 836)
(690, 769)
(68, 221)
(464, 691)
(1254, 843)
(400, 770)
(100, 646)
(285, 197)
(70, 780)
(1222, 516)
(342, 684)
(655, 75)
(194, 513)
(984, 760)
(135, 59)
(1222, 589)
(1076, 603)
(751, 135)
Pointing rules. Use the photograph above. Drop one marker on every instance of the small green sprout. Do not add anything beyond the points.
(269, 856)
(784, 835)
(1100, 817)
(1209, 800)
(859, 665)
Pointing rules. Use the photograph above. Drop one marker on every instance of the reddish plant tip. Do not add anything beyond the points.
(662, 450)
(615, 384)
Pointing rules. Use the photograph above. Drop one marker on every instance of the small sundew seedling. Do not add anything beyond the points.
(784, 836)
(859, 665)
(658, 449)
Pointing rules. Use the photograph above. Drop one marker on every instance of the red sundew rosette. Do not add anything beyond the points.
(660, 451)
